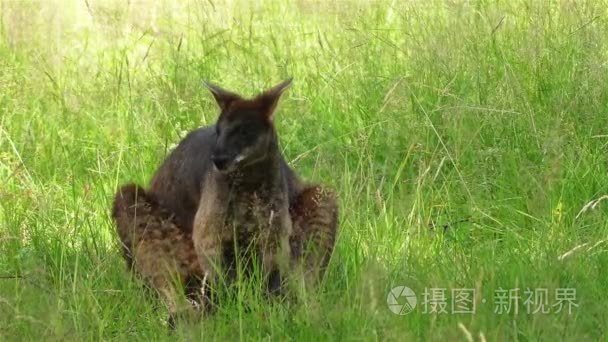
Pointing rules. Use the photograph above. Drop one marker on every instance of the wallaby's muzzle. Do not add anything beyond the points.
(221, 162)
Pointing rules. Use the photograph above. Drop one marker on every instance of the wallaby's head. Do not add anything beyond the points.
(245, 134)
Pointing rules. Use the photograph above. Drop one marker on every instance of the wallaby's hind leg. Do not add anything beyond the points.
(161, 273)
(315, 219)
(155, 248)
(275, 260)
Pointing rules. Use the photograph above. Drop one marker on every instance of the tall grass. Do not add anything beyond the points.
(464, 139)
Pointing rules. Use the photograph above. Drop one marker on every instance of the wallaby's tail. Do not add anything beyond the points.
(315, 218)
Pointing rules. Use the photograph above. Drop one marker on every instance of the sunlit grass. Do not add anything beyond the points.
(464, 139)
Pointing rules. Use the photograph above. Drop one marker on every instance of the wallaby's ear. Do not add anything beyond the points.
(222, 97)
(269, 99)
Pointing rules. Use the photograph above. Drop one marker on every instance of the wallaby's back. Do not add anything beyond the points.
(177, 183)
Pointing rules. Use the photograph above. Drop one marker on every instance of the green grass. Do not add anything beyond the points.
(420, 115)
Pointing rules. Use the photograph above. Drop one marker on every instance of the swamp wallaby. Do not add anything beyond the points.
(227, 186)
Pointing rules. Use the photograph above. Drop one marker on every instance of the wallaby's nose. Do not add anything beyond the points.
(220, 162)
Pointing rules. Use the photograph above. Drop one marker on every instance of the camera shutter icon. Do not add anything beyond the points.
(401, 300)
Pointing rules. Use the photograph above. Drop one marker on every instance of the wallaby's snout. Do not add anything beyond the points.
(221, 162)
(229, 152)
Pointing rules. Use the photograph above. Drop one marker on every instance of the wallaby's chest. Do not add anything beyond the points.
(250, 213)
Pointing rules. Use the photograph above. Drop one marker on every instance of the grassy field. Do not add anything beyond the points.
(468, 142)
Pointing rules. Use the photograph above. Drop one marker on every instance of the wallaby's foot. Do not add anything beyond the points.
(190, 315)
(274, 285)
